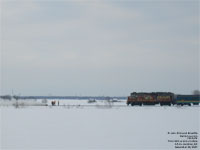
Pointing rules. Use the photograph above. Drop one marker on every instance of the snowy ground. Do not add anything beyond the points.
(88, 103)
(101, 125)
(21, 103)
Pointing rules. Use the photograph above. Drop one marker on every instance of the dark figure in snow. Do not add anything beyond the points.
(58, 103)
(53, 103)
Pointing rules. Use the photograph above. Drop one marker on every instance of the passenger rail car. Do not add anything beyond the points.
(187, 99)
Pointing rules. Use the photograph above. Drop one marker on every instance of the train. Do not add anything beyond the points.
(162, 98)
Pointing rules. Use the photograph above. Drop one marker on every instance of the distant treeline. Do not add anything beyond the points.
(63, 97)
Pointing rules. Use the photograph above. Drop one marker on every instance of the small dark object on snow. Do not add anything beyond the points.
(53, 103)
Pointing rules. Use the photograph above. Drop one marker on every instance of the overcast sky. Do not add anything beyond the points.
(109, 48)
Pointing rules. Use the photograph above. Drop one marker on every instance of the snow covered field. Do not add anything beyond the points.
(76, 125)
(21, 103)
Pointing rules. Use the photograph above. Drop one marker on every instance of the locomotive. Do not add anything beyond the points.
(162, 98)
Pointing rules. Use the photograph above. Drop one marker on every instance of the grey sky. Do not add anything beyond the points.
(99, 47)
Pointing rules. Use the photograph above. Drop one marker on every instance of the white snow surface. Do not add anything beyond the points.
(18, 103)
(77, 125)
